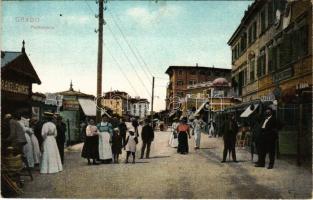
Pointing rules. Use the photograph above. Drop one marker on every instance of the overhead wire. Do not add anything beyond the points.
(120, 68)
(129, 46)
(114, 59)
(128, 60)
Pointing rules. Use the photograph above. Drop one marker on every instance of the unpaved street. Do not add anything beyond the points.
(170, 175)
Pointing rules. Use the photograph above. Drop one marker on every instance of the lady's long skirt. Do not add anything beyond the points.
(182, 143)
(91, 147)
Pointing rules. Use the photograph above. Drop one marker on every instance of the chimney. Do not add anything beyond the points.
(196, 64)
(23, 47)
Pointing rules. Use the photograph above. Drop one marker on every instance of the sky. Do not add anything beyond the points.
(141, 39)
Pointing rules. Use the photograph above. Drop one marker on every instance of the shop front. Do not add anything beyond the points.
(17, 77)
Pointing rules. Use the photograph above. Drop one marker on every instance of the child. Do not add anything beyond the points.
(131, 143)
(116, 145)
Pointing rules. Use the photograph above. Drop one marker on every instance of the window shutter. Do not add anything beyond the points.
(258, 67)
(270, 59)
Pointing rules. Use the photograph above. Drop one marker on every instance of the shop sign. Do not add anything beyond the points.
(302, 86)
(269, 97)
(14, 87)
(54, 99)
(70, 105)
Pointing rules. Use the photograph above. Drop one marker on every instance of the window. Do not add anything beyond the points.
(285, 51)
(272, 58)
(243, 42)
(252, 70)
(300, 42)
(254, 30)
(193, 72)
(180, 82)
(180, 72)
(250, 35)
(263, 22)
(192, 82)
(261, 63)
(270, 13)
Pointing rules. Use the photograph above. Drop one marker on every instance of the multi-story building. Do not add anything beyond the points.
(272, 60)
(139, 107)
(272, 50)
(182, 76)
(117, 101)
(218, 93)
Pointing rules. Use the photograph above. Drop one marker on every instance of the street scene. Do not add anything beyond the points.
(156, 99)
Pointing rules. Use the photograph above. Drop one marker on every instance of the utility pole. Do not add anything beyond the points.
(152, 99)
(99, 64)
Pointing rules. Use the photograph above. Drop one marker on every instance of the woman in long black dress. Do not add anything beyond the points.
(183, 130)
(90, 148)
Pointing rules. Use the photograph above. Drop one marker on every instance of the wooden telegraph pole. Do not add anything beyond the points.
(99, 63)
(152, 99)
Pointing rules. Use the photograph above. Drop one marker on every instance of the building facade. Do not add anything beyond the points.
(182, 76)
(272, 50)
(272, 60)
(117, 101)
(218, 93)
(17, 77)
(74, 111)
(139, 107)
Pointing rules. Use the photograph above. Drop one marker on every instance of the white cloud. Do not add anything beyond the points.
(76, 19)
(145, 18)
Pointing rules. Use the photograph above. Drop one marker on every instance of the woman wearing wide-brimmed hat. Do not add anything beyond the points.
(183, 130)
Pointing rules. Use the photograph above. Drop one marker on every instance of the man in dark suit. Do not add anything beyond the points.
(268, 139)
(230, 130)
(61, 129)
(147, 136)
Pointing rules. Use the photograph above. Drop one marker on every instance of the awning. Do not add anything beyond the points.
(172, 113)
(249, 110)
(89, 107)
(197, 111)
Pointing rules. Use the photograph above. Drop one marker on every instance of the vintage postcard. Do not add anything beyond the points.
(156, 99)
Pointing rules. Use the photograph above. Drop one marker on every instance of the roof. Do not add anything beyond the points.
(220, 82)
(75, 93)
(255, 5)
(20, 63)
(194, 67)
(138, 100)
(116, 95)
(8, 56)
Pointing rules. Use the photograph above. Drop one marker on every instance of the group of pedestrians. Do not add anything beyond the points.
(265, 136)
(105, 141)
(41, 143)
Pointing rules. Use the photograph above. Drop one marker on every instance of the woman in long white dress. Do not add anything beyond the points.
(28, 147)
(105, 132)
(35, 143)
(173, 142)
(51, 161)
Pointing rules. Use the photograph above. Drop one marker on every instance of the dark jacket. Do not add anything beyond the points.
(37, 132)
(123, 128)
(230, 129)
(61, 129)
(147, 133)
(271, 128)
